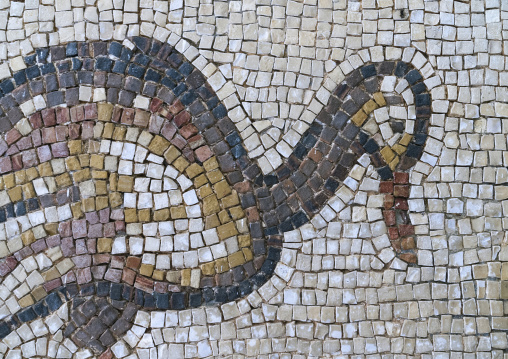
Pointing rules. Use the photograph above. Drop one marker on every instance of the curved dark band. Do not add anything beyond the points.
(285, 200)
(302, 186)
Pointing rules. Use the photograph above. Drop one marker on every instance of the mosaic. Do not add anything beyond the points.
(147, 198)
(252, 179)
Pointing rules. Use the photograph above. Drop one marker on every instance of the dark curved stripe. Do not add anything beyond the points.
(154, 70)
(301, 187)
(286, 199)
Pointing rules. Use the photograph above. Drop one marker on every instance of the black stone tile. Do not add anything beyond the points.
(20, 209)
(149, 89)
(420, 138)
(195, 79)
(152, 75)
(419, 88)
(103, 64)
(51, 81)
(385, 173)
(354, 78)
(30, 60)
(386, 67)
(233, 293)
(133, 84)
(359, 96)
(333, 105)
(300, 151)
(168, 82)
(141, 59)
(238, 274)
(72, 96)
(220, 295)
(350, 107)
(149, 301)
(7, 86)
(76, 64)
(162, 300)
(69, 329)
(188, 98)
(14, 115)
(331, 185)
(33, 72)
(71, 49)
(64, 66)
(116, 291)
(108, 316)
(20, 77)
(299, 219)
(100, 78)
(286, 226)
(114, 80)
(125, 98)
(178, 301)
(89, 64)
(32, 204)
(238, 151)
(423, 112)
(85, 77)
(27, 315)
(57, 53)
(155, 48)
(5, 330)
(368, 71)
(350, 131)
(414, 150)
(220, 111)
(115, 49)
(127, 292)
(100, 48)
(95, 328)
(309, 141)
(107, 339)
(197, 108)
(401, 69)
(142, 43)
(48, 68)
(41, 309)
(180, 89)
(175, 59)
(413, 77)
(371, 85)
(422, 100)
(120, 67)
(397, 126)
(67, 80)
(103, 288)
(245, 288)
(226, 126)
(421, 125)
(42, 54)
(363, 137)
(174, 75)
(126, 54)
(136, 71)
(53, 301)
(186, 69)
(89, 308)
(55, 98)
(87, 289)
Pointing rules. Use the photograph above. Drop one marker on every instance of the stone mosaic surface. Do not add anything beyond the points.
(253, 179)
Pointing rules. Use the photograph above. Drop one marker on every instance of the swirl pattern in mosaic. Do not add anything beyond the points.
(125, 185)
